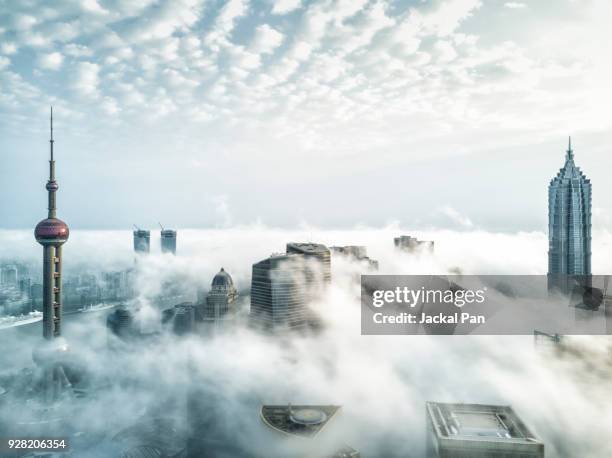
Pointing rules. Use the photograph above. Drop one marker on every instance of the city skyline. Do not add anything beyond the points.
(213, 101)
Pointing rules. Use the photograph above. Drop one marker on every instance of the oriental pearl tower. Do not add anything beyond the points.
(52, 355)
(52, 233)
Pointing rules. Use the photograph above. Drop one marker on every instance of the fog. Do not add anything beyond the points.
(381, 382)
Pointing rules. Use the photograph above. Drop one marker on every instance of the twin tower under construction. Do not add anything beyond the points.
(142, 240)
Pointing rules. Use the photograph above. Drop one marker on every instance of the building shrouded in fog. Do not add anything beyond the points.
(168, 241)
(356, 253)
(478, 431)
(8, 275)
(412, 244)
(283, 285)
(142, 240)
(317, 252)
(220, 302)
(181, 317)
(569, 224)
(121, 323)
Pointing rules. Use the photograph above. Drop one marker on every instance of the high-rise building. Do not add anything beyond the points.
(142, 241)
(52, 233)
(478, 431)
(8, 276)
(317, 252)
(220, 301)
(356, 253)
(168, 240)
(569, 224)
(121, 323)
(181, 318)
(412, 244)
(283, 285)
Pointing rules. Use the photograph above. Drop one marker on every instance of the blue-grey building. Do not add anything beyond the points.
(142, 240)
(168, 240)
(569, 224)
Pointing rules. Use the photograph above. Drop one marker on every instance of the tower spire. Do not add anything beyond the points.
(570, 151)
(52, 185)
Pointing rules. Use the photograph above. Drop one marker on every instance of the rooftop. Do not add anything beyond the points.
(478, 422)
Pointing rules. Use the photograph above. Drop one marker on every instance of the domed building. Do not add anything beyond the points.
(220, 302)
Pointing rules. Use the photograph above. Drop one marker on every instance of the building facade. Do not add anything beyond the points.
(283, 286)
(142, 241)
(220, 302)
(168, 241)
(569, 224)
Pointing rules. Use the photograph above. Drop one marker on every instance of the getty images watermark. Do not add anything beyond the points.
(494, 304)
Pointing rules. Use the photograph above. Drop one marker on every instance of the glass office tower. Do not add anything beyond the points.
(569, 224)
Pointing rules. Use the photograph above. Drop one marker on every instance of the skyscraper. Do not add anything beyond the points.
(316, 252)
(168, 240)
(142, 240)
(52, 233)
(283, 286)
(569, 224)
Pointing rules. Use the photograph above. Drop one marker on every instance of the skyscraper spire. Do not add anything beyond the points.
(51, 140)
(52, 185)
(570, 151)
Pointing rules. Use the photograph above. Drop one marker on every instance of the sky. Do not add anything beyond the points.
(449, 114)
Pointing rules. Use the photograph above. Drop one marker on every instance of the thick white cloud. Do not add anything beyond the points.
(52, 61)
(86, 79)
(266, 39)
(331, 82)
(285, 6)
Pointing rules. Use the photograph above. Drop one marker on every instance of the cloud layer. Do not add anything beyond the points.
(382, 382)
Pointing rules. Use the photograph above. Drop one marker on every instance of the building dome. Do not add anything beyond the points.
(222, 279)
(307, 416)
(51, 229)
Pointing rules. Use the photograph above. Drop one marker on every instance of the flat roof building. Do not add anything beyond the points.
(357, 253)
(478, 431)
(412, 244)
(283, 286)
(142, 241)
(315, 251)
(279, 292)
(168, 240)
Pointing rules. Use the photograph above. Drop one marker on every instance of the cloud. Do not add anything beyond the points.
(448, 14)
(52, 61)
(285, 6)
(8, 48)
(557, 398)
(456, 217)
(92, 6)
(86, 79)
(334, 82)
(515, 5)
(266, 39)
